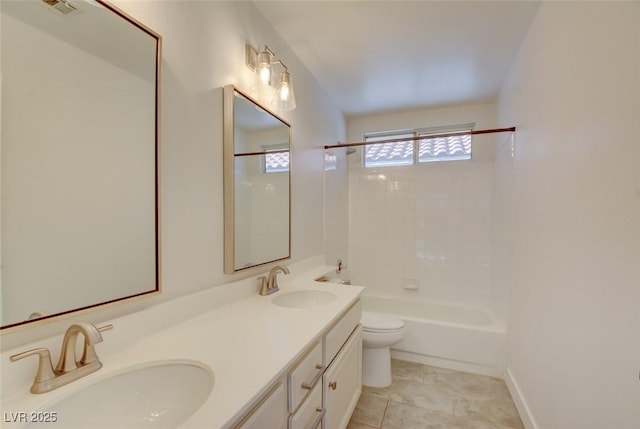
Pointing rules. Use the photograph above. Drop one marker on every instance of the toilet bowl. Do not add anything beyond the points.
(379, 333)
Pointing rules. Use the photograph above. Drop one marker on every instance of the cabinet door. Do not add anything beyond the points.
(337, 336)
(342, 383)
(270, 413)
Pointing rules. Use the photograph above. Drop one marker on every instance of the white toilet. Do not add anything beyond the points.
(379, 333)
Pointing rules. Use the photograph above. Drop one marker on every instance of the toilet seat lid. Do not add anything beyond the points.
(380, 322)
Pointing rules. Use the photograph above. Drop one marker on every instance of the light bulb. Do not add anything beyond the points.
(265, 75)
(285, 86)
(284, 91)
(286, 96)
(264, 66)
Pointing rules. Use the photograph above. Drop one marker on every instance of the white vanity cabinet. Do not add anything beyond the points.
(322, 388)
(342, 383)
(304, 376)
(269, 412)
(341, 374)
(310, 413)
(342, 380)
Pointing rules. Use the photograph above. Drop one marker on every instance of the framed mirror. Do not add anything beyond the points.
(257, 197)
(79, 116)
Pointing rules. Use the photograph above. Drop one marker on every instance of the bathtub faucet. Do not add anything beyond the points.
(269, 284)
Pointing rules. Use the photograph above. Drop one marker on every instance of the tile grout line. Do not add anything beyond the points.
(384, 414)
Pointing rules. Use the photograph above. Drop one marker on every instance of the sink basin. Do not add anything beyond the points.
(304, 299)
(162, 395)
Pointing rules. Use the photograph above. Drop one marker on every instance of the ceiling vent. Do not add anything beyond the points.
(62, 6)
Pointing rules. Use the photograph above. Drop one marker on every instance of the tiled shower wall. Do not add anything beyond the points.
(425, 231)
(426, 226)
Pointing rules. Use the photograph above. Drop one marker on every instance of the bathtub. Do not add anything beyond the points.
(448, 336)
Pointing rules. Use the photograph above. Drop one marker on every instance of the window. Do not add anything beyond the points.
(451, 148)
(389, 154)
(276, 160)
(418, 146)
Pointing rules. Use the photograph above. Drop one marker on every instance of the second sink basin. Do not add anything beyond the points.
(159, 395)
(304, 299)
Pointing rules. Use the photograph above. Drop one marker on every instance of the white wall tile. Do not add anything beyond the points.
(422, 226)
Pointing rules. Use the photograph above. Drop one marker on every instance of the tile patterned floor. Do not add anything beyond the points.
(426, 397)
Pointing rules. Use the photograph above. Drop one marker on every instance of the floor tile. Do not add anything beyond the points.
(369, 411)
(353, 425)
(430, 396)
(496, 411)
(380, 392)
(423, 396)
(467, 384)
(405, 370)
(403, 416)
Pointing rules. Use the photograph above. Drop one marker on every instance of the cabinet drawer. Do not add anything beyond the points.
(271, 411)
(310, 413)
(305, 376)
(337, 335)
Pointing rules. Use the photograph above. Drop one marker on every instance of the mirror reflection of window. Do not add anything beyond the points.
(276, 159)
(257, 184)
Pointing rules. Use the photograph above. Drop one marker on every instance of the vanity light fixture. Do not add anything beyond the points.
(61, 6)
(265, 58)
(263, 64)
(286, 98)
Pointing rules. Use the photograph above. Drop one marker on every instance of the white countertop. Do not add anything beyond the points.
(247, 343)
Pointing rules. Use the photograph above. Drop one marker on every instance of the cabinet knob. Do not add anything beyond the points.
(333, 385)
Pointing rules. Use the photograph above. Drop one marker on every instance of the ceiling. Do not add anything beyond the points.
(382, 56)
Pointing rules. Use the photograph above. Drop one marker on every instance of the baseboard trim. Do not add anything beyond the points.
(520, 402)
(447, 363)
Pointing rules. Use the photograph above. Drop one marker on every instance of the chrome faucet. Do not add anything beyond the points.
(269, 284)
(68, 368)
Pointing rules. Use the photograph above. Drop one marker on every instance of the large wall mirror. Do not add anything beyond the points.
(78, 206)
(256, 184)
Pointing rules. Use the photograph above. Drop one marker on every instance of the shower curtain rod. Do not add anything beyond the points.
(457, 133)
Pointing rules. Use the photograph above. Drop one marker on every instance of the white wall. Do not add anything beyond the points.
(574, 94)
(203, 50)
(501, 225)
(429, 223)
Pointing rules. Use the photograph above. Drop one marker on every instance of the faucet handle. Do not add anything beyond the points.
(89, 353)
(105, 328)
(264, 285)
(45, 368)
